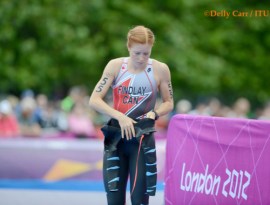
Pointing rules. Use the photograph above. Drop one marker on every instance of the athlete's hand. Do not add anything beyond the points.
(127, 127)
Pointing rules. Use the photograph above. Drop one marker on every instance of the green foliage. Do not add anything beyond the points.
(52, 45)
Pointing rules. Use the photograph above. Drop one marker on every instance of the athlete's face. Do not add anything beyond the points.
(139, 54)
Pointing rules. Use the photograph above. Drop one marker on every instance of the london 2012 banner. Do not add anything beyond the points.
(219, 161)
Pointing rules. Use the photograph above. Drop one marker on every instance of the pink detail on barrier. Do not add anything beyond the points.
(222, 161)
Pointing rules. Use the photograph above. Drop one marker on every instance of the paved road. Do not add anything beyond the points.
(52, 197)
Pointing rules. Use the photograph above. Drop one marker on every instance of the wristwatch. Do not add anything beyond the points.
(156, 115)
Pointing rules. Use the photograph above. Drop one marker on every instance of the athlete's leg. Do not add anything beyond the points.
(138, 196)
(117, 197)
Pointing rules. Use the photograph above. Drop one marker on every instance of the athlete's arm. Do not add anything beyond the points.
(166, 91)
(96, 100)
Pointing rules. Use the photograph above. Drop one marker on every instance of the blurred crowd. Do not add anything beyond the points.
(35, 115)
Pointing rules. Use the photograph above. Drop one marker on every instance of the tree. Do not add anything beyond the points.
(51, 45)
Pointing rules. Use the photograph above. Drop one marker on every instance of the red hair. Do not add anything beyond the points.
(140, 34)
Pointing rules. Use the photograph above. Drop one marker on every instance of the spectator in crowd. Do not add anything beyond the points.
(76, 94)
(54, 120)
(14, 101)
(47, 115)
(183, 106)
(27, 93)
(265, 115)
(200, 109)
(8, 122)
(214, 107)
(29, 125)
(224, 111)
(41, 109)
(240, 108)
(79, 122)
